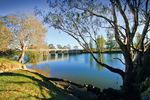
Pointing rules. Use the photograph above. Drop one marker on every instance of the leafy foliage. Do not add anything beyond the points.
(59, 46)
(5, 37)
(26, 31)
(100, 43)
(10, 54)
(33, 57)
(51, 46)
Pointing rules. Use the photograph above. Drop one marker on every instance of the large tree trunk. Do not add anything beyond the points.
(130, 89)
(22, 55)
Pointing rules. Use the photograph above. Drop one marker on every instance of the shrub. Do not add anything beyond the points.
(33, 57)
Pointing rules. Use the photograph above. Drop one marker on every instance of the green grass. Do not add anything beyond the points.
(8, 65)
(7, 60)
(20, 84)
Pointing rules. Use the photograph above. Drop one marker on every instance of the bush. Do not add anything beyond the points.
(146, 87)
(10, 54)
(33, 57)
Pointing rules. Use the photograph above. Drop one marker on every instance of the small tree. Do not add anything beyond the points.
(91, 44)
(100, 43)
(59, 46)
(76, 47)
(51, 46)
(69, 47)
(26, 31)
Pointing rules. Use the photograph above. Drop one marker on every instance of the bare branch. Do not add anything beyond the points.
(124, 17)
(122, 34)
(146, 7)
(130, 6)
(110, 21)
(116, 27)
(141, 42)
(120, 60)
(123, 47)
(136, 23)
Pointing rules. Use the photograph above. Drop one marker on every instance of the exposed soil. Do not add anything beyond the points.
(79, 93)
(10, 66)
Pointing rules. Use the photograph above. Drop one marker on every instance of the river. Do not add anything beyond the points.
(82, 69)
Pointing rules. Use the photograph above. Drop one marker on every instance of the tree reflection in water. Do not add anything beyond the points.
(99, 56)
(91, 62)
(99, 67)
(45, 70)
(45, 57)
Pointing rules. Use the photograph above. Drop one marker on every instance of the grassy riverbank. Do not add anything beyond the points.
(23, 84)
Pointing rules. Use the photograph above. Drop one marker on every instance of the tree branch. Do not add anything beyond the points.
(126, 53)
(120, 60)
(130, 6)
(136, 23)
(146, 8)
(141, 42)
(110, 21)
(124, 17)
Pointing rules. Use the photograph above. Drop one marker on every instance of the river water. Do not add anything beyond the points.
(82, 69)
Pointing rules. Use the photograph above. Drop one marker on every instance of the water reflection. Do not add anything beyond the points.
(60, 57)
(99, 67)
(86, 58)
(44, 69)
(91, 61)
(83, 69)
(74, 57)
(45, 57)
(66, 57)
(53, 57)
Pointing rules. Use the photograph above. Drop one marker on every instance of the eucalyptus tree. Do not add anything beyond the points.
(101, 42)
(91, 44)
(26, 31)
(51, 46)
(65, 47)
(5, 38)
(59, 46)
(76, 47)
(69, 47)
(84, 19)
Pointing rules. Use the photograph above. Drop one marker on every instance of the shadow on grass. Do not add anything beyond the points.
(53, 93)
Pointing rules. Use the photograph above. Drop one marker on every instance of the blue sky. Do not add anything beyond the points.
(26, 6)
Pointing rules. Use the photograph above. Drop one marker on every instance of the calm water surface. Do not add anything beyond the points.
(82, 69)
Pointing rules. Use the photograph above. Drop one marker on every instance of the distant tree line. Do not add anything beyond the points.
(59, 46)
(110, 43)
